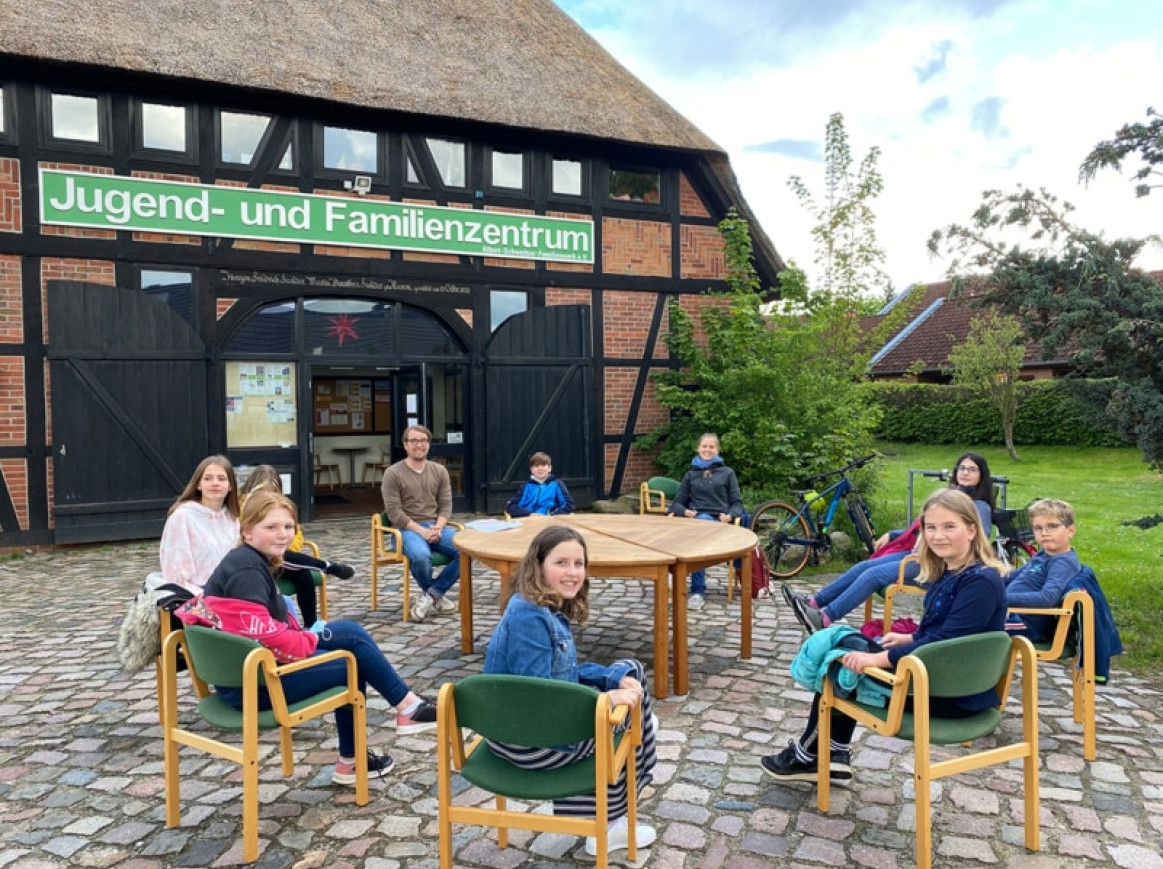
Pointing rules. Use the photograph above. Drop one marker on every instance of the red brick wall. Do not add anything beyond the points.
(16, 478)
(12, 402)
(11, 312)
(635, 247)
(702, 252)
(689, 203)
(628, 318)
(559, 296)
(10, 215)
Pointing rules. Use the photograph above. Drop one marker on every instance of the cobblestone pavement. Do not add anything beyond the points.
(81, 779)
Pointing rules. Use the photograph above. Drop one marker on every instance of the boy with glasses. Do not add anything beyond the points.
(1043, 580)
(418, 500)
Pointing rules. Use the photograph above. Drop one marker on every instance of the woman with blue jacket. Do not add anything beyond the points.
(550, 590)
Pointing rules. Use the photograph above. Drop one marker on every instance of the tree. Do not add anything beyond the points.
(782, 401)
(1076, 293)
(1146, 140)
(987, 362)
(847, 251)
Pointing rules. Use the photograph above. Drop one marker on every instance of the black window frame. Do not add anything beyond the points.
(272, 118)
(140, 149)
(383, 153)
(586, 175)
(502, 190)
(104, 143)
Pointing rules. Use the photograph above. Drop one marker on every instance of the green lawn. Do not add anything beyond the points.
(1107, 487)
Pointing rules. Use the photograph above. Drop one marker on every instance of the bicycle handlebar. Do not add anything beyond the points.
(851, 466)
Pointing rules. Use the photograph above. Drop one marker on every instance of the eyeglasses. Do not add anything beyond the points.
(416, 441)
(1048, 528)
(968, 469)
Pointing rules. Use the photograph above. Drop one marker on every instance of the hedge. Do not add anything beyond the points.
(1049, 414)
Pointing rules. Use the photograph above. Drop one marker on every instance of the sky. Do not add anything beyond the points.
(960, 96)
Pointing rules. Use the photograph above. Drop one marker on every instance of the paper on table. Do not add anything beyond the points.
(491, 525)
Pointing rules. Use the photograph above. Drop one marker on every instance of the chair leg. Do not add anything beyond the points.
(924, 799)
(406, 584)
(250, 801)
(375, 583)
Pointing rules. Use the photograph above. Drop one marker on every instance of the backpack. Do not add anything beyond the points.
(760, 573)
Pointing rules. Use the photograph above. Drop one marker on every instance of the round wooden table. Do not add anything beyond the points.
(654, 548)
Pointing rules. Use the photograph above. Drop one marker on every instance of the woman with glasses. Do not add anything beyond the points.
(861, 581)
(709, 490)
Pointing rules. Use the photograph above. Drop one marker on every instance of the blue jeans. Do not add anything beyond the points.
(860, 582)
(419, 552)
(371, 668)
(699, 577)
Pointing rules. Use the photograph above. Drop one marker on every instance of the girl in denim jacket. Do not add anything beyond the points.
(533, 638)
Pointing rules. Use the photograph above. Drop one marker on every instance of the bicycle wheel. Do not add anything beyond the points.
(777, 524)
(1017, 553)
(858, 512)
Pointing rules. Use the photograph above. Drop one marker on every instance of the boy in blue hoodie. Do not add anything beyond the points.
(543, 493)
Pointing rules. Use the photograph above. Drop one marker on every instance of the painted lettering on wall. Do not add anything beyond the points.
(148, 205)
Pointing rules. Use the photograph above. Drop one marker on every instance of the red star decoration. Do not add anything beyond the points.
(343, 326)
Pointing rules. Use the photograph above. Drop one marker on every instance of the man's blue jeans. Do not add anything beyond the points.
(371, 668)
(860, 582)
(419, 552)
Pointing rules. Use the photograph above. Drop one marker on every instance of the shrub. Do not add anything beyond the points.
(1049, 414)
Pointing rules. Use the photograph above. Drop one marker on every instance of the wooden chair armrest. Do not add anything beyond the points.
(311, 548)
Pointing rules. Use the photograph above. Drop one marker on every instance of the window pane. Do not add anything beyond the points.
(354, 150)
(449, 158)
(421, 334)
(163, 127)
(567, 177)
(241, 135)
(2, 128)
(508, 170)
(75, 118)
(633, 186)
(349, 327)
(413, 175)
(503, 305)
(271, 330)
(173, 288)
(287, 164)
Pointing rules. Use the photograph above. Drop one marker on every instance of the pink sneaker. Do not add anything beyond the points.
(423, 718)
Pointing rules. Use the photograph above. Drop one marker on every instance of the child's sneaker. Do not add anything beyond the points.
(339, 570)
(377, 764)
(445, 604)
(422, 718)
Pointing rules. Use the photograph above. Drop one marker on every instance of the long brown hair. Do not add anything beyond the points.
(192, 492)
(956, 502)
(530, 584)
(262, 477)
(257, 506)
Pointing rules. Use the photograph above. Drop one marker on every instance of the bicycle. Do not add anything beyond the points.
(791, 535)
(1014, 542)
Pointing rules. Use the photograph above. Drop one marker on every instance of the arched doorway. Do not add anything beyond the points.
(333, 381)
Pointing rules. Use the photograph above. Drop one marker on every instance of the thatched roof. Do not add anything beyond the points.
(517, 63)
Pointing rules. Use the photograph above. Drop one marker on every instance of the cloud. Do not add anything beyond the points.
(938, 108)
(800, 149)
(985, 118)
(935, 63)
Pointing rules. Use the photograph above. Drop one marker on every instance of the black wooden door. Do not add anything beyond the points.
(539, 396)
(129, 410)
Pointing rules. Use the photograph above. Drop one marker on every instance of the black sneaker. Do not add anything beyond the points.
(423, 718)
(377, 764)
(786, 766)
(809, 618)
(790, 597)
(339, 570)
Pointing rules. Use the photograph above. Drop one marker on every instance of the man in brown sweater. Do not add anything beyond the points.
(418, 500)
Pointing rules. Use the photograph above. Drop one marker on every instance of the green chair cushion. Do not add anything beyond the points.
(666, 485)
(224, 716)
(485, 770)
(945, 731)
(288, 587)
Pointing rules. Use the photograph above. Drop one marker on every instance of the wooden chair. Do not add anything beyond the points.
(287, 587)
(334, 478)
(388, 549)
(889, 593)
(227, 660)
(1073, 640)
(949, 668)
(523, 710)
(373, 472)
(654, 493)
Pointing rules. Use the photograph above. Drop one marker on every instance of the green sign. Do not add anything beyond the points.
(146, 205)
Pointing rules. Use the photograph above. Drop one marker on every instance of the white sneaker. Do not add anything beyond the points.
(695, 602)
(617, 837)
(422, 606)
(444, 604)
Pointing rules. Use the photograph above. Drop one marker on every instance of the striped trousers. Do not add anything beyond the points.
(554, 758)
